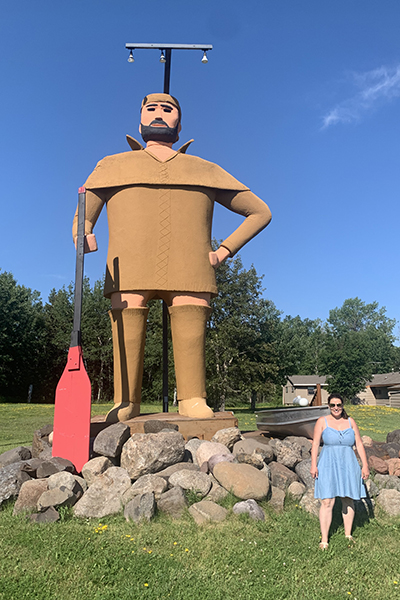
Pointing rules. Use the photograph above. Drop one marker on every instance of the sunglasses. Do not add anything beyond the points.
(336, 405)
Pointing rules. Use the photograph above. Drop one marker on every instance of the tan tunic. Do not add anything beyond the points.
(160, 217)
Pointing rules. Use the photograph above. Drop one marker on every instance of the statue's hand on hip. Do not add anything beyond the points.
(217, 257)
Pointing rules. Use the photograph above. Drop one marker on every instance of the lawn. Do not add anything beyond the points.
(238, 559)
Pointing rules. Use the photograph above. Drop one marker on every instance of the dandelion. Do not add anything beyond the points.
(186, 549)
(146, 585)
(395, 582)
(175, 543)
(150, 551)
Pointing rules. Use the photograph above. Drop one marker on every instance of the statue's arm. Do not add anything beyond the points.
(257, 216)
(94, 204)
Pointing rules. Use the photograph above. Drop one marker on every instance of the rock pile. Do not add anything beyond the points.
(140, 474)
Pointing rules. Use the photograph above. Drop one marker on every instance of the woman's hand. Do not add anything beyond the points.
(314, 472)
(365, 472)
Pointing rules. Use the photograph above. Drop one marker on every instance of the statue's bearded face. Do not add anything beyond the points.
(160, 122)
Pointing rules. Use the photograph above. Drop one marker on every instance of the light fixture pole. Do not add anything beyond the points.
(166, 52)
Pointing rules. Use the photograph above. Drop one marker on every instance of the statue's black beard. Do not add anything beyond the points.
(159, 134)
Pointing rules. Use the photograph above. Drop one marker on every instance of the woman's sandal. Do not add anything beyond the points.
(323, 545)
(350, 538)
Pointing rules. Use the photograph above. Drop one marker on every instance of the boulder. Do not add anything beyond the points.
(217, 492)
(255, 460)
(56, 497)
(393, 436)
(206, 512)
(228, 437)
(309, 503)
(67, 480)
(50, 515)
(244, 481)
(173, 502)
(14, 455)
(147, 484)
(140, 508)
(277, 499)
(11, 479)
(200, 483)
(40, 441)
(296, 489)
(367, 441)
(394, 466)
(281, 476)
(378, 465)
(389, 501)
(303, 473)
(29, 495)
(208, 449)
(253, 446)
(95, 467)
(217, 458)
(288, 453)
(392, 449)
(155, 426)
(31, 466)
(180, 466)
(109, 442)
(104, 496)
(390, 482)
(55, 464)
(372, 488)
(304, 443)
(146, 453)
(251, 508)
(191, 446)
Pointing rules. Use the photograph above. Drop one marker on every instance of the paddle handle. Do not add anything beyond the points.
(80, 253)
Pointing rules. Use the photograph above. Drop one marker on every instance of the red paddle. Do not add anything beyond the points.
(73, 394)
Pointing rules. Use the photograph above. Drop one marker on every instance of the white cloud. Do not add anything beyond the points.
(374, 89)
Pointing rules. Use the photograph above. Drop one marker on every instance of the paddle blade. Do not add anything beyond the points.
(72, 412)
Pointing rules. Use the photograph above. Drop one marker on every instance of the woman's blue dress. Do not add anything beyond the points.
(339, 474)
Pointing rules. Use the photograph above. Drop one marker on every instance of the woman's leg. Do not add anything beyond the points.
(348, 515)
(325, 517)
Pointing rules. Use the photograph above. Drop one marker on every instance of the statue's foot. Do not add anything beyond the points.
(123, 412)
(195, 408)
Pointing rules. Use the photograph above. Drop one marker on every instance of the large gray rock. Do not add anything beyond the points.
(191, 446)
(208, 449)
(147, 484)
(67, 480)
(11, 479)
(200, 483)
(31, 466)
(109, 442)
(29, 495)
(140, 508)
(296, 489)
(389, 500)
(14, 455)
(389, 482)
(310, 504)
(56, 497)
(288, 453)
(228, 437)
(303, 472)
(206, 512)
(50, 515)
(255, 460)
(371, 488)
(251, 508)
(281, 476)
(244, 481)
(173, 502)
(392, 449)
(180, 466)
(40, 441)
(393, 436)
(217, 458)
(252, 446)
(304, 443)
(277, 499)
(217, 492)
(104, 496)
(53, 465)
(146, 453)
(95, 467)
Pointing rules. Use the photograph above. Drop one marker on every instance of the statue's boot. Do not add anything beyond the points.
(129, 334)
(188, 328)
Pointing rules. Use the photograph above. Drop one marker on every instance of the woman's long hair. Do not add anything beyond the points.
(338, 397)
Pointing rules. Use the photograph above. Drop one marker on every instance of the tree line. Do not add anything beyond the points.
(250, 351)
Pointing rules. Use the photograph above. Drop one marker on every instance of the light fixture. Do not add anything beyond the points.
(130, 58)
(162, 57)
(204, 60)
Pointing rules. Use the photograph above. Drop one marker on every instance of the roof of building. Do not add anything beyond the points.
(306, 380)
(385, 379)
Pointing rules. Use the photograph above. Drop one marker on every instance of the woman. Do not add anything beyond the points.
(338, 472)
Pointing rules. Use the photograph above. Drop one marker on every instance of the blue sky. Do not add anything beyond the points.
(300, 101)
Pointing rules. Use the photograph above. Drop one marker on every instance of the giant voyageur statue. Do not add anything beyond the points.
(160, 206)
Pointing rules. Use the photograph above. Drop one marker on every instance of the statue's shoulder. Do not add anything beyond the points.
(209, 174)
